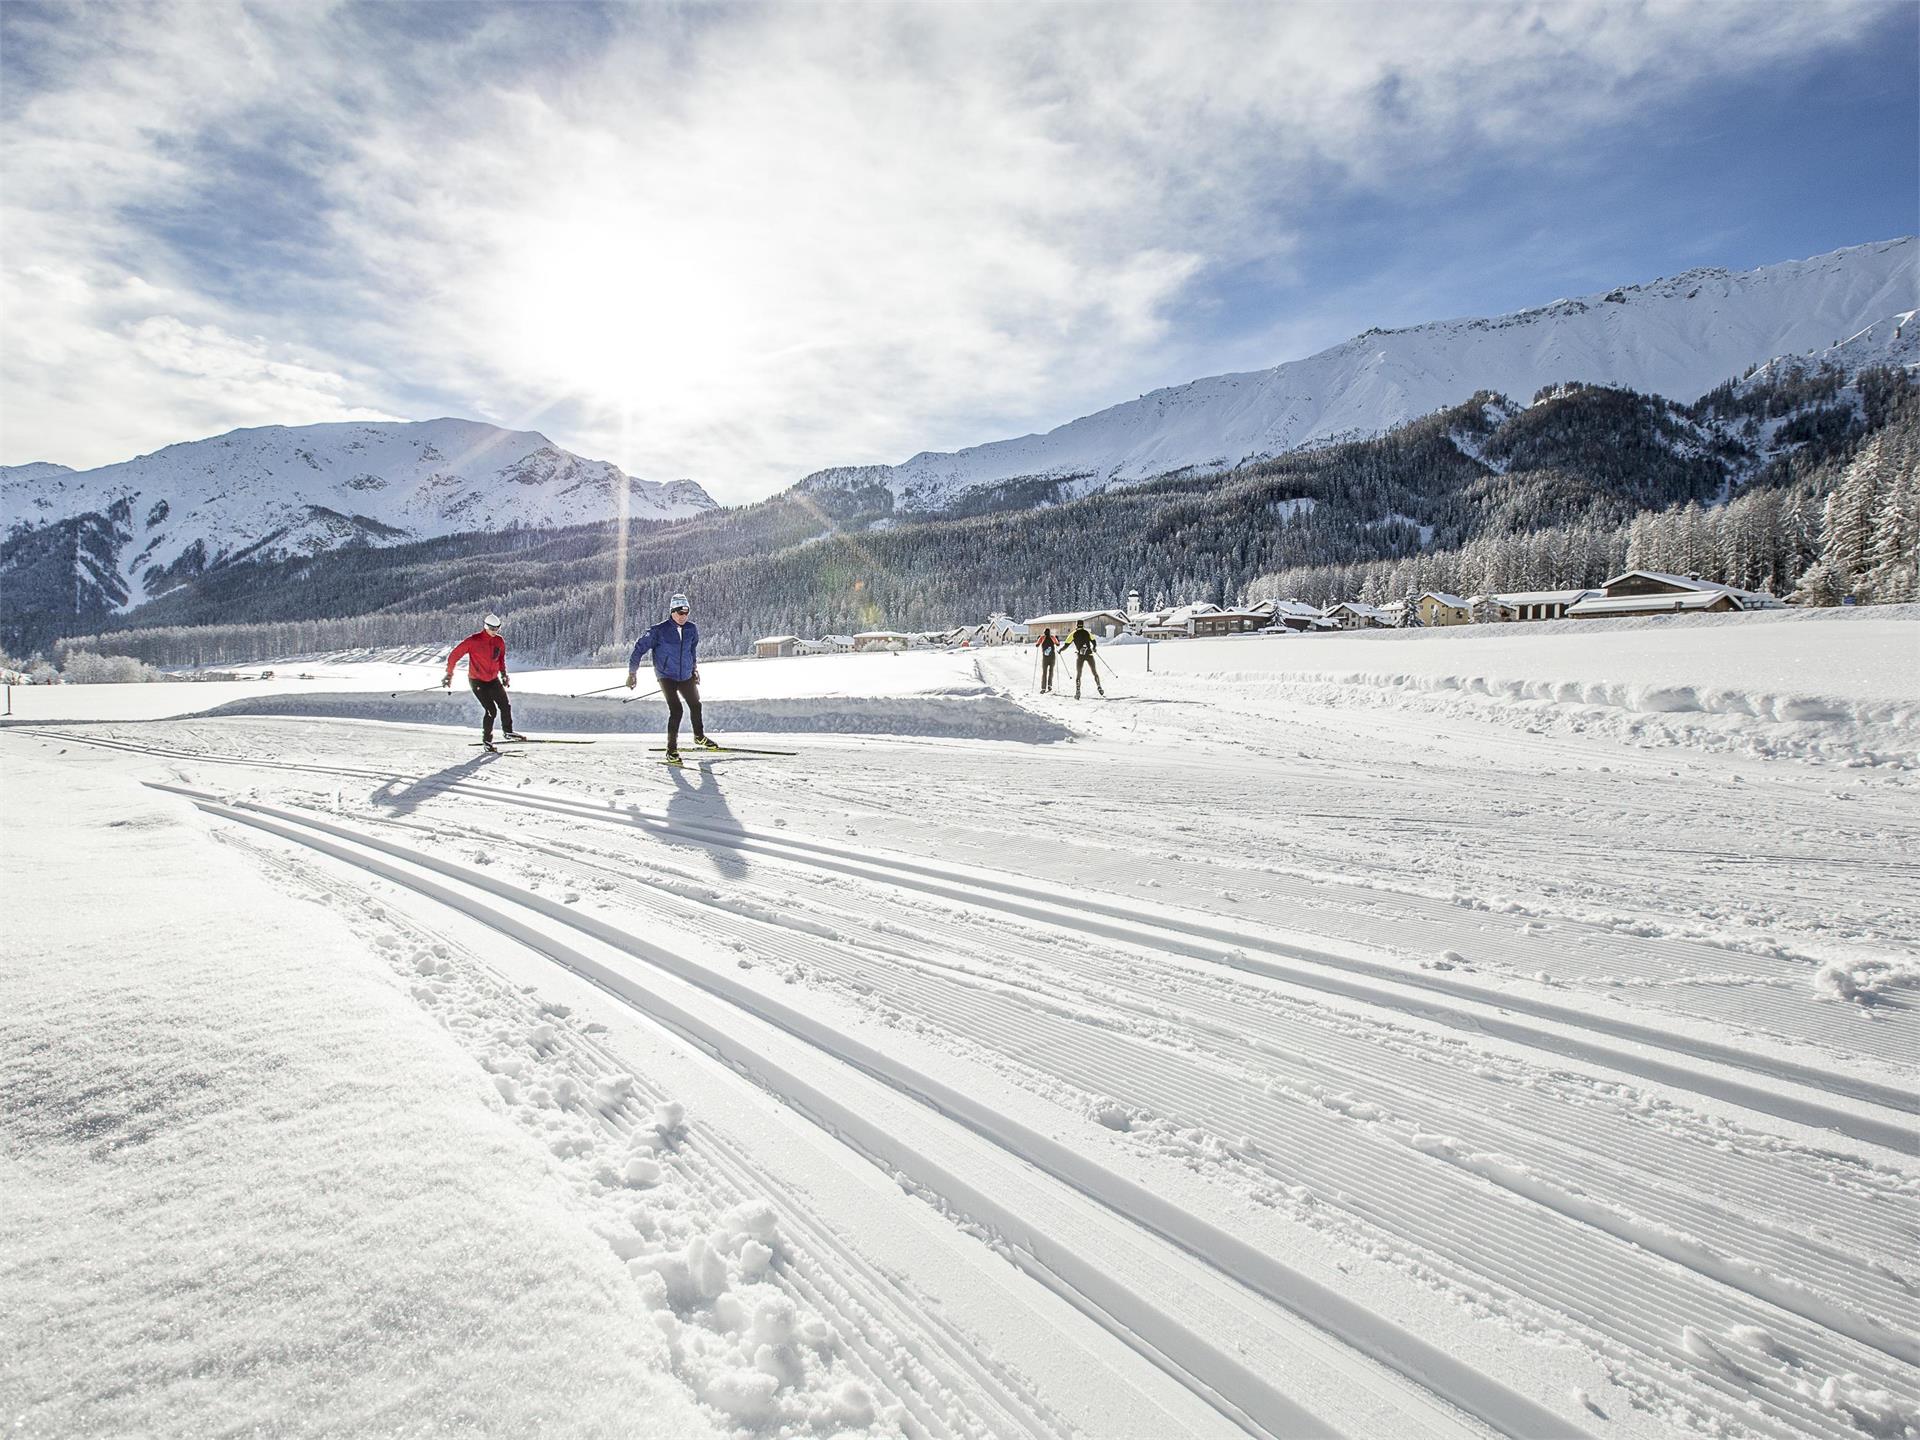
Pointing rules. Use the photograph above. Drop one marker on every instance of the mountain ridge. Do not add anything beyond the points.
(279, 490)
(1688, 333)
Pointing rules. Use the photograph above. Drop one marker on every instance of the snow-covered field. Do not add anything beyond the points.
(1464, 1033)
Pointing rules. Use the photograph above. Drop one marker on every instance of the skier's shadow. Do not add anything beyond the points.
(403, 798)
(698, 800)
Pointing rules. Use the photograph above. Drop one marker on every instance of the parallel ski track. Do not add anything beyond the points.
(878, 869)
(1518, 1236)
(1397, 1349)
(1771, 993)
(875, 1329)
(1649, 1052)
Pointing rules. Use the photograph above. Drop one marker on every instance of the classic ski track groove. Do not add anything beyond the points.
(727, 1177)
(855, 977)
(1226, 1017)
(1389, 1207)
(1764, 1004)
(1391, 1346)
(1346, 975)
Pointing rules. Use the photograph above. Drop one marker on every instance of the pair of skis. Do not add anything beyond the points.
(507, 745)
(512, 740)
(680, 760)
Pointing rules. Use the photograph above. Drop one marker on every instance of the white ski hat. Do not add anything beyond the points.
(678, 602)
(492, 622)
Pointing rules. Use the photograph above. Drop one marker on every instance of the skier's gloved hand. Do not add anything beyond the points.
(696, 675)
(446, 682)
(506, 682)
(630, 679)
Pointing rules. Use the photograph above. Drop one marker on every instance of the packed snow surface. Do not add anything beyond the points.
(1428, 1034)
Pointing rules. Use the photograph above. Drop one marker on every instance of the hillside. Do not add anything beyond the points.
(103, 539)
(1678, 337)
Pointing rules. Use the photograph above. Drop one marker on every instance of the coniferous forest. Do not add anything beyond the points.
(1806, 485)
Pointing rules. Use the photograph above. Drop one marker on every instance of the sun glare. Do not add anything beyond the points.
(606, 311)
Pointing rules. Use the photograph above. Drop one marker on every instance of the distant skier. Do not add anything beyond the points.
(675, 643)
(486, 656)
(1049, 649)
(1083, 647)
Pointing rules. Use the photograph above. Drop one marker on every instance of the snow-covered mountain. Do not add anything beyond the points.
(1678, 337)
(286, 490)
(37, 470)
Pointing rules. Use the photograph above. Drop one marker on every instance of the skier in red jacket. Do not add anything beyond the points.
(486, 656)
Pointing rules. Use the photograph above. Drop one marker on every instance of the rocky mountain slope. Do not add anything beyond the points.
(139, 528)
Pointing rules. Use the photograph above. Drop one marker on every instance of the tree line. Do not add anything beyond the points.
(1799, 484)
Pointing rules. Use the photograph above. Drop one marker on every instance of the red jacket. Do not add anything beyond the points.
(486, 656)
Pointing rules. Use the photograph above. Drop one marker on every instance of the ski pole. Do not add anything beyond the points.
(584, 693)
(423, 690)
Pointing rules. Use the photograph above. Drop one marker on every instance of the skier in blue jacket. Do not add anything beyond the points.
(675, 643)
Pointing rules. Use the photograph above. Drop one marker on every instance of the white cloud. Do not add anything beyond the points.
(742, 244)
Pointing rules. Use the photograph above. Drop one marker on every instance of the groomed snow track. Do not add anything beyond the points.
(1603, 1228)
(1143, 1290)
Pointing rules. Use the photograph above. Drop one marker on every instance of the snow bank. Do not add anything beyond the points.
(702, 1253)
(251, 1188)
(885, 675)
(978, 716)
(1835, 685)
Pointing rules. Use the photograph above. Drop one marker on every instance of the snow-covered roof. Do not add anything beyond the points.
(1074, 617)
(1757, 599)
(775, 639)
(1445, 599)
(1370, 612)
(1538, 597)
(1649, 604)
(882, 635)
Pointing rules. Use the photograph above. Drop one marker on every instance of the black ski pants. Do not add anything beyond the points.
(676, 691)
(1046, 670)
(492, 696)
(1083, 660)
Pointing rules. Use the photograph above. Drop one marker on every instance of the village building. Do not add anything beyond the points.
(1436, 607)
(1295, 615)
(1169, 624)
(825, 645)
(772, 647)
(1104, 624)
(1227, 622)
(881, 640)
(1653, 592)
(1003, 629)
(1533, 604)
(1353, 615)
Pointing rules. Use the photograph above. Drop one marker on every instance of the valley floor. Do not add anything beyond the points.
(1285, 1053)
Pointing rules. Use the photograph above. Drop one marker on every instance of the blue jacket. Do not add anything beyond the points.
(676, 650)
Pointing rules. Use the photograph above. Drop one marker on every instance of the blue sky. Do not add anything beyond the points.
(740, 243)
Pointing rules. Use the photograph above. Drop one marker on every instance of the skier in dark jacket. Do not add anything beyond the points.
(1049, 649)
(1083, 647)
(486, 655)
(675, 643)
